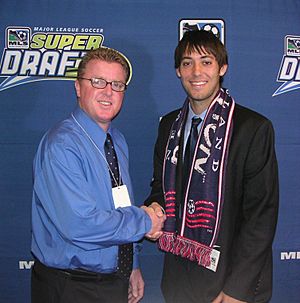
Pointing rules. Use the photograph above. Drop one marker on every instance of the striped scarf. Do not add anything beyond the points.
(203, 199)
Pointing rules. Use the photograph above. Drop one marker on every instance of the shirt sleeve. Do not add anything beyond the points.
(65, 196)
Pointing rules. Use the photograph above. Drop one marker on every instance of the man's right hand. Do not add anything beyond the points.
(158, 218)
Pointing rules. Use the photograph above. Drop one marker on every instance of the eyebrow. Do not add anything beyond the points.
(201, 56)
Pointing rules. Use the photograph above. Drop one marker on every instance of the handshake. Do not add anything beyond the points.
(158, 217)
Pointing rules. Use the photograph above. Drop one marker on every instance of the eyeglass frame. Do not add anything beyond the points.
(106, 82)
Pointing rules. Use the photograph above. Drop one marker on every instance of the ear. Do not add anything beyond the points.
(77, 88)
(223, 70)
(178, 73)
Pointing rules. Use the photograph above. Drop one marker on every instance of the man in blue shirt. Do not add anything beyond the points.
(82, 212)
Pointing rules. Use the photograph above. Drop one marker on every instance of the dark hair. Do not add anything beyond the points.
(105, 54)
(201, 41)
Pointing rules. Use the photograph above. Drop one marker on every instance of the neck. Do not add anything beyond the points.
(199, 106)
(104, 126)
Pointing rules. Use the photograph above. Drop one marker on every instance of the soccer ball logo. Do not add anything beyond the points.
(297, 43)
(191, 207)
(22, 36)
(212, 28)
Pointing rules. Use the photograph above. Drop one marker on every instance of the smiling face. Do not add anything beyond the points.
(200, 76)
(102, 105)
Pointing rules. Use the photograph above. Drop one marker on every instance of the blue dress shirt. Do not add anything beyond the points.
(74, 221)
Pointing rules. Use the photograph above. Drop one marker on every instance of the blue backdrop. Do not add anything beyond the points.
(38, 38)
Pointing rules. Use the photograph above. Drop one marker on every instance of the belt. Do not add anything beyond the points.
(74, 274)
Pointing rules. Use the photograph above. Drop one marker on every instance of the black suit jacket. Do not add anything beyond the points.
(250, 208)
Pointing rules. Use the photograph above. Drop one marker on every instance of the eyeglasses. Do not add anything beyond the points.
(100, 83)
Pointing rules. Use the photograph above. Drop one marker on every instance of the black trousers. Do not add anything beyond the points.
(184, 281)
(180, 281)
(50, 285)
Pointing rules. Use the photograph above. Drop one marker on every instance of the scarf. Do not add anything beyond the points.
(203, 198)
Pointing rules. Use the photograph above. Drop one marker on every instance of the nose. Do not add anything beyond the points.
(108, 89)
(197, 70)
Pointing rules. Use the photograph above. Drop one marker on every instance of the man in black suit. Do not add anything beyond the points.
(215, 174)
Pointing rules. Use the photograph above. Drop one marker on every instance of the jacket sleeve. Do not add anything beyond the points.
(157, 194)
(259, 215)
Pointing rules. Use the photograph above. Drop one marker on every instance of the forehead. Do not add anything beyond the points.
(193, 51)
(195, 55)
(101, 68)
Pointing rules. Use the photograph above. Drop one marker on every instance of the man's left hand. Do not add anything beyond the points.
(136, 286)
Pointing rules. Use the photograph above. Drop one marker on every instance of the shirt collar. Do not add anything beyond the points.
(191, 115)
(97, 134)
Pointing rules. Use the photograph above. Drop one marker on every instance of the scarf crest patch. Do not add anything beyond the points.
(203, 197)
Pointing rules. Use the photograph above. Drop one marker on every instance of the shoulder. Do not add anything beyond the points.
(250, 127)
(63, 140)
(168, 119)
(171, 116)
(247, 114)
(245, 118)
(64, 132)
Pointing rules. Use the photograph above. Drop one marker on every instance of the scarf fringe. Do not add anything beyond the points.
(186, 248)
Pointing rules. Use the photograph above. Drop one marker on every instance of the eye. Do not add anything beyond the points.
(117, 84)
(186, 63)
(207, 62)
(99, 81)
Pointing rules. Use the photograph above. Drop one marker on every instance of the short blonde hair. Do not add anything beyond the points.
(105, 54)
